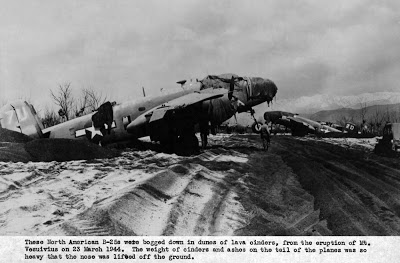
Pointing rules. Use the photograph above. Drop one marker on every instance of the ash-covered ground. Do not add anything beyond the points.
(301, 186)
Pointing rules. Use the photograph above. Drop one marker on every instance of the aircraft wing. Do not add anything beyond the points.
(294, 119)
(180, 104)
(183, 102)
(311, 124)
(194, 97)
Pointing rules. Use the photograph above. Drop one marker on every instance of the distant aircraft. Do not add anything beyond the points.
(171, 119)
(299, 126)
(351, 128)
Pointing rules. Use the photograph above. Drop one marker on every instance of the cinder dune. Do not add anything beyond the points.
(298, 187)
(17, 147)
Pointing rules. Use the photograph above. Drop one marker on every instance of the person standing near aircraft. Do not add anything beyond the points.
(265, 136)
(204, 128)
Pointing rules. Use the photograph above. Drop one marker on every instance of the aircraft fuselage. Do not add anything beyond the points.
(123, 114)
(171, 118)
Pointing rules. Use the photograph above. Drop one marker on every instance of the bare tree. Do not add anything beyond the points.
(387, 114)
(378, 119)
(82, 104)
(95, 99)
(89, 101)
(50, 118)
(64, 99)
(394, 116)
(371, 125)
(363, 112)
(343, 119)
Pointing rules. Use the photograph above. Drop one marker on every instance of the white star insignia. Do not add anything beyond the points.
(94, 134)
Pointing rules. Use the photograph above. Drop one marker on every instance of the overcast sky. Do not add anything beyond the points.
(340, 47)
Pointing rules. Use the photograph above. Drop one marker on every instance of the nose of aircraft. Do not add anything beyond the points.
(263, 89)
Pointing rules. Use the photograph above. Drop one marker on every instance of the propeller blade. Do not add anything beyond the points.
(231, 88)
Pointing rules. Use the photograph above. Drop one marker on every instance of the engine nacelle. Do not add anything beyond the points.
(219, 110)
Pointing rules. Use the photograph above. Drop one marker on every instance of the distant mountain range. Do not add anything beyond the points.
(331, 108)
(313, 104)
(383, 113)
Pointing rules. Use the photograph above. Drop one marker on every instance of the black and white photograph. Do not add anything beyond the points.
(200, 118)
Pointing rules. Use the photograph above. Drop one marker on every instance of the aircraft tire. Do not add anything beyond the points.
(187, 145)
(256, 127)
(170, 144)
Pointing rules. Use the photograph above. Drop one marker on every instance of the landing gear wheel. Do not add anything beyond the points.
(256, 127)
(169, 145)
(187, 144)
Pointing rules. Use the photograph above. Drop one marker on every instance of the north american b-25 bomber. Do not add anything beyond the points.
(171, 119)
(300, 126)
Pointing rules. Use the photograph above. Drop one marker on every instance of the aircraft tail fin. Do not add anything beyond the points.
(21, 116)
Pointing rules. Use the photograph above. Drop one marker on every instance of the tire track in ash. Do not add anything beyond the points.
(280, 204)
(231, 189)
(377, 187)
(196, 196)
(363, 181)
(183, 199)
(112, 181)
(274, 199)
(372, 192)
(205, 203)
(25, 204)
(40, 196)
(314, 179)
(356, 195)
